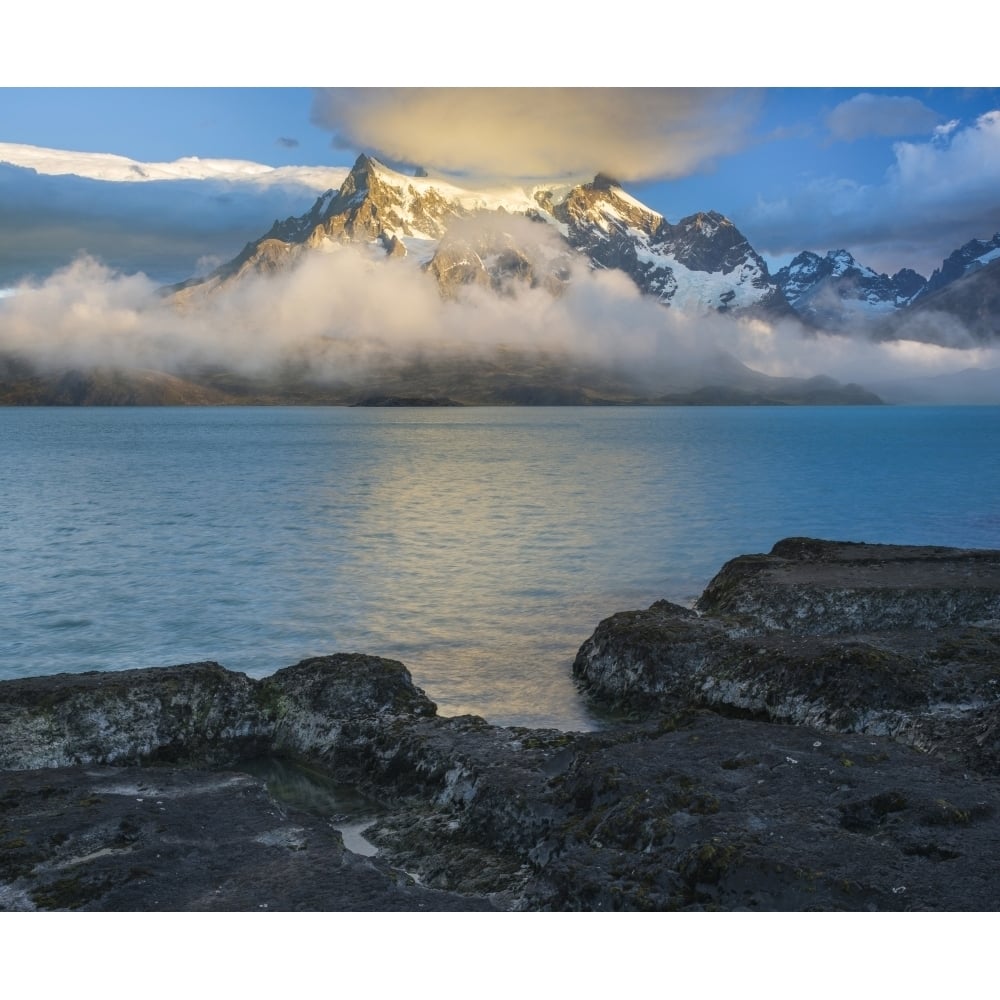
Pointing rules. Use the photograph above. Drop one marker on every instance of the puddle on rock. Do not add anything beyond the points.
(348, 811)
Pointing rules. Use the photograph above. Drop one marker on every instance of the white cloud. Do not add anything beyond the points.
(936, 195)
(943, 131)
(344, 313)
(960, 175)
(111, 167)
(57, 204)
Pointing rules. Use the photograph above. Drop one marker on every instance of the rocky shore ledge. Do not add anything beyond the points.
(819, 733)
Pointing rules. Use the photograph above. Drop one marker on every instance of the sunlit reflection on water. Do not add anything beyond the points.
(479, 546)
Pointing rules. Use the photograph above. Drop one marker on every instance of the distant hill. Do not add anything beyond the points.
(508, 378)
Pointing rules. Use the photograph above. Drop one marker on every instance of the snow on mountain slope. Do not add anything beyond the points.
(464, 236)
(702, 263)
(835, 291)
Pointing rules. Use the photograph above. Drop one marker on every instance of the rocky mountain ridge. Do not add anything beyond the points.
(506, 239)
(479, 237)
(964, 312)
(702, 264)
(966, 260)
(836, 292)
(831, 291)
(509, 378)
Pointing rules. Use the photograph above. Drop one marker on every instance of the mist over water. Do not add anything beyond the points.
(344, 315)
(480, 546)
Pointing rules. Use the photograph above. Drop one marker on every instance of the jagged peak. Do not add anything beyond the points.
(843, 261)
(412, 214)
(706, 224)
(366, 174)
(805, 257)
(323, 201)
(973, 244)
(965, 253)
(605, 182)
(364, 164)
(710, 220)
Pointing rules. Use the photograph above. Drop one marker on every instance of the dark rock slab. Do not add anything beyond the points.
(161, 837)
(889, 640)
(137, 838)
(196, 712)
(698, 812)
(734, 814)
(809, 585)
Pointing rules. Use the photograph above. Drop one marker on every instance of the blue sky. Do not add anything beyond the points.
(899, 176)
(166, 123)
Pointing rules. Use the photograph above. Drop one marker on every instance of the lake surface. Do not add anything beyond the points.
(479, 546)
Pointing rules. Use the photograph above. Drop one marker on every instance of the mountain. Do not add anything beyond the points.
(958, 306)
(966, 260)
(504, 378)
(462, 236)
(964, 312)
(835, 291)
(466, 242)
(22, 384)
(701, 263)
(498, 239)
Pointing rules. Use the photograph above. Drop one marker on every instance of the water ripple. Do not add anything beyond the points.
(479, 546)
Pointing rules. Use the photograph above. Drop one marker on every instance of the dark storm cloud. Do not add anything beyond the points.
(287, 143)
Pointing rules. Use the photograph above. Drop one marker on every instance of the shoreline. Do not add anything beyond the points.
(822, 732)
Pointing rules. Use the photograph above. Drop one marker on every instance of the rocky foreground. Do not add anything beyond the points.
(820, 733)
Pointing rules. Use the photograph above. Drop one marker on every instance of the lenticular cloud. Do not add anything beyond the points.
(630, 133)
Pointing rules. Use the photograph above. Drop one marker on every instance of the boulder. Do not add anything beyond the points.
(899, 641)
(195, 711)
(810, 586)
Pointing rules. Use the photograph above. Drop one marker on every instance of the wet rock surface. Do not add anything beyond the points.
(796, 745)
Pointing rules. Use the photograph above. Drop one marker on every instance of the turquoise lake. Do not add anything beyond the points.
(479, 546)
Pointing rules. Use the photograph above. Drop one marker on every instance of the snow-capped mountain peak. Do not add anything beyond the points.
(458, 235)
(836, 291)
(843, 262)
